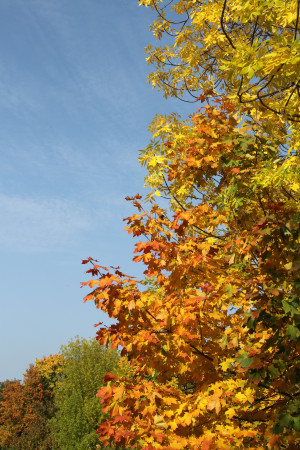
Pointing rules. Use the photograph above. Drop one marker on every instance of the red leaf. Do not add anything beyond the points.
(109, 376)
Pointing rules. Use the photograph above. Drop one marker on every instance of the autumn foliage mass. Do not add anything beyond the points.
(212, 331)
(211, 335)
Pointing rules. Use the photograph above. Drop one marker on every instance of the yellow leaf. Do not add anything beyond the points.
(214, 403)
(230, 413)
(159, 422)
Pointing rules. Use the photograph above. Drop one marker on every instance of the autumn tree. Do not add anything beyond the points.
(27, 406)
(78, 410)
(213, 331)
(50, 369)
(3, 385)
(246, 49)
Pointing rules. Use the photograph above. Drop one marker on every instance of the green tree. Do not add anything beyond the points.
(78, 411)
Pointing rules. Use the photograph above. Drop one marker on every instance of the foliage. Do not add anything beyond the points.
(247, 49)
(78, 410)
(25, 411)
(50, 368)
(56, 405)
(2, 387)
(213, 332)
(214, 339)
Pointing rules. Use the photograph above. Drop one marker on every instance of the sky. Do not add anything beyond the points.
(74, 110)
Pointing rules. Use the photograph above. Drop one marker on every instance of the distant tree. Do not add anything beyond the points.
(78, 410)
(2, 387)
(49, 368)
(25, 410)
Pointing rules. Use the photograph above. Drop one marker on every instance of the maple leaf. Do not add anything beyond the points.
(206, 443)
(214, 404)
(109, 376)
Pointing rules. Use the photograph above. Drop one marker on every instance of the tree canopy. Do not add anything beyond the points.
(55, 405)
(78, 410)
(248, 49)
(212, 332)
(26, 407)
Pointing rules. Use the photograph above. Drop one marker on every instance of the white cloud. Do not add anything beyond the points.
(28, 224)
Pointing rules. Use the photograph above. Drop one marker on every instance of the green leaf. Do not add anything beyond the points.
(286, 420)
(297, 423)
(273, 371)
(277, 429)
(244, 360)
(286, 306)
(292, 308)
(228, 289)
(293, 332)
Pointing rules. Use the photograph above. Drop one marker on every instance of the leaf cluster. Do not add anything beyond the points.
(214, 340)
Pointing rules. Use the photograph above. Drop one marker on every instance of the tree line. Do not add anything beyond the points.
(55, 405)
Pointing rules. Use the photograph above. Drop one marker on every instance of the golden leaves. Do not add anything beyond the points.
(209, 331)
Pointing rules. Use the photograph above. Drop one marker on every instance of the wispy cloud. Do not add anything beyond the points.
(16, 96)
(35, 225)
(90, 68)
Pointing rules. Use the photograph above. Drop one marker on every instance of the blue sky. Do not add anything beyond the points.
(74, 111)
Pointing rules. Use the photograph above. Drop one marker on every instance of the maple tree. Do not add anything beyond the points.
(214, 338)
(248, 49)
(213, 331)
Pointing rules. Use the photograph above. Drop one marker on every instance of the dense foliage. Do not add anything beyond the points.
(246, 48)
(55, 406)
(213, 332)
(78, 410)
(27, 407)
